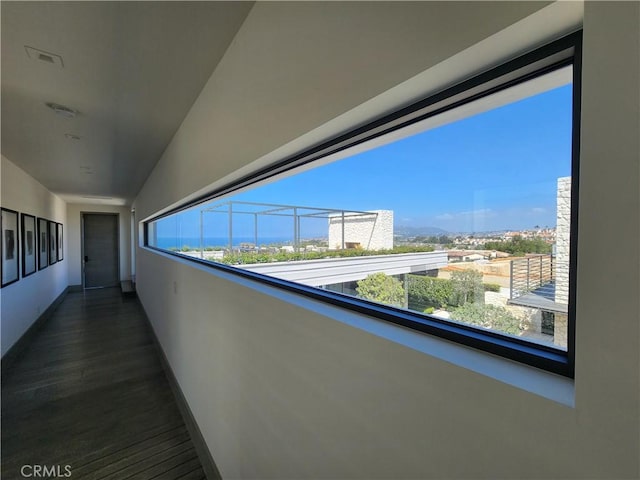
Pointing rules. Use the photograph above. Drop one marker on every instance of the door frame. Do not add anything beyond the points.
(82, 262)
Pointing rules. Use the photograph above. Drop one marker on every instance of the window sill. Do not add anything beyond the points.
(533, 380)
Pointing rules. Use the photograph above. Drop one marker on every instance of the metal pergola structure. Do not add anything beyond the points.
(296, 212)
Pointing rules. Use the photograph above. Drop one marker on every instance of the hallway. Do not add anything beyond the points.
(90, 392)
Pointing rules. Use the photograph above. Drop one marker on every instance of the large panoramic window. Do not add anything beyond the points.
(452, 216)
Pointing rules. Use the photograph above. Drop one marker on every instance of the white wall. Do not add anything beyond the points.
(23, 302)
(74, 214)
(294, 66)
(283, 390)
(372, 232)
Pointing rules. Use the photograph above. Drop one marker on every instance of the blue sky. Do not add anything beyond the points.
(492, 171)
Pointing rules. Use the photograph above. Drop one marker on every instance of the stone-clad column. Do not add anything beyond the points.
(563, 225)
(563, 228)
(371, 232)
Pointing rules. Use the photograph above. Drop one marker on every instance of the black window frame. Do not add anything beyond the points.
(552, 56)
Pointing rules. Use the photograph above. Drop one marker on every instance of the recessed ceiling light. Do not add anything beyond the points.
(61, 110)
(71, 136)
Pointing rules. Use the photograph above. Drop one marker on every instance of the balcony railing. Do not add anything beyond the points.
(533, 274)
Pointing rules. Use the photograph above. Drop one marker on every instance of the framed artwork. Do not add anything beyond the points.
(43, 243)
(53, 248)
(29, 247)
(9, 251)
(59, 243)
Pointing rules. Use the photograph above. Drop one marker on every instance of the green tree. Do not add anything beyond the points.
(487, 316)
(518, 246)
(467, 287)
(381, 288)
(429, 292)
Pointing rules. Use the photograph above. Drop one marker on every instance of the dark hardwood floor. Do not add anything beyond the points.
(89, 392)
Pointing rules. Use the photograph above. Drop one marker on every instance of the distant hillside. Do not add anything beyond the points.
(418, 231)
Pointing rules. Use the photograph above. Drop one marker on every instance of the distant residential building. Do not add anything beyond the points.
(468, 255)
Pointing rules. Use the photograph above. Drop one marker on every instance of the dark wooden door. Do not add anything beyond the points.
(100, 250)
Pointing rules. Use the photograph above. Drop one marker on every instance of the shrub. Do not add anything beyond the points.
(381, 288)
(487, 316)
(242, 258)
(428, 292)
(408, 249)
(491, 287)
(467, 287)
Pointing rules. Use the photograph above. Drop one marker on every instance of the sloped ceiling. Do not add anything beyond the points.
(132, 70)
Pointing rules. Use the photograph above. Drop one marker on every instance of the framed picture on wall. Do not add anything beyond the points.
(43, 243)
(59, 242)
(9, 250)
(29, 247)
(53, 248)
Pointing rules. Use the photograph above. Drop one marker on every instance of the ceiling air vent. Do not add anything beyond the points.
(42, 56)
